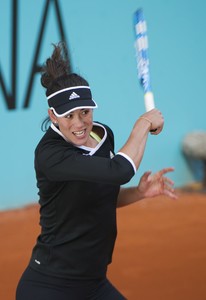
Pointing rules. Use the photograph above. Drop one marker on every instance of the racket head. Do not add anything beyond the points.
(141, 49)
(142, 58)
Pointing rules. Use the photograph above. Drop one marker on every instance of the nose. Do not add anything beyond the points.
(78, 121)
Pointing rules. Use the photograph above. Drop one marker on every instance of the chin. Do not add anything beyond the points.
(82, 142)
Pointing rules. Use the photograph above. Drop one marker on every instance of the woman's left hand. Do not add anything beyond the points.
(151, 185)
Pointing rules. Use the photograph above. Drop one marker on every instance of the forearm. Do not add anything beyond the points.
(128, 196)
(135, 145)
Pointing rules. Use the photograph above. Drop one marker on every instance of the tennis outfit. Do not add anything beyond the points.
(78, 190)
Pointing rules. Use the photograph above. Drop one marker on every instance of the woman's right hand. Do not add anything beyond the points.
(156, 120)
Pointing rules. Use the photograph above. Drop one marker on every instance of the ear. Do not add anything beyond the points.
(52, 116)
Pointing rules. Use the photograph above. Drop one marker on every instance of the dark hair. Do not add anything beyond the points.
(56, 74)
(45, 124)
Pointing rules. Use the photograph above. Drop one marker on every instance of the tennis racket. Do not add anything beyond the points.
(141, 48)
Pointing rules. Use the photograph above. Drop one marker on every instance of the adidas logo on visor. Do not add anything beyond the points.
(73, 96)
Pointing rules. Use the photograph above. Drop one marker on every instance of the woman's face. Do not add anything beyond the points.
(76, 126)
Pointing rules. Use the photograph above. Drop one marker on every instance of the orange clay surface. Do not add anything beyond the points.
(160, 252)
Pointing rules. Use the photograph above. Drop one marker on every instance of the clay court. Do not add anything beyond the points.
(160, 252)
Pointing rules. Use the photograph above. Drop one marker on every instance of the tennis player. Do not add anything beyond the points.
(79, 177)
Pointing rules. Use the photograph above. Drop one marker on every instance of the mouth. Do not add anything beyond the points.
(80, 133)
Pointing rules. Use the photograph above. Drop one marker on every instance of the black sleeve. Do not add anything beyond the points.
(63, 164)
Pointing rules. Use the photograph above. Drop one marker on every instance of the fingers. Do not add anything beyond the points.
(146, 175)
(159, 174)
(157, 121)
(166, 170)
(170, 192)
(168, 189)
(168, 181)
(156, 131)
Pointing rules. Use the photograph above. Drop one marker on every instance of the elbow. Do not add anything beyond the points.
(123, 170)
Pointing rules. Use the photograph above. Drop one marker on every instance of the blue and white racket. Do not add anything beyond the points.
(141, 48)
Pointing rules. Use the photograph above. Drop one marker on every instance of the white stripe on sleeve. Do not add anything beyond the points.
(129, 159)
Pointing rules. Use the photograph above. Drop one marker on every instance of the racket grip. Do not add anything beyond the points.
(149, 101)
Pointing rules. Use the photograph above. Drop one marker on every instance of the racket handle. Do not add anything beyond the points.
(149, 101)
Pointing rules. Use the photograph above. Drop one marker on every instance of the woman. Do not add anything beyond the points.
(79, 178)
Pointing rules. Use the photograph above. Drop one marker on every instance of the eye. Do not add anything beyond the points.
(69, 116)
(85, 111)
